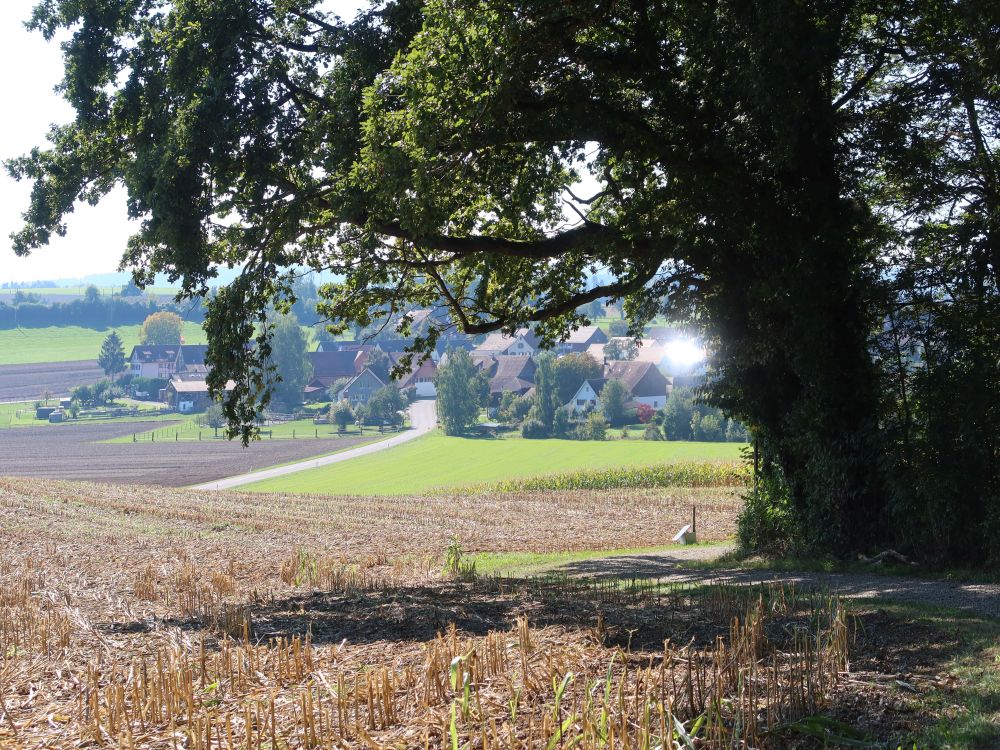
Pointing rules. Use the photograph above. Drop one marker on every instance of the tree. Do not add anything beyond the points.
(92, 295)
(859, 125)
(457, 386)
(112, 355)
(289, 359)
(595, 427)
(385, 406)
(677, 413)
(570, 372)
(546, 400)
(707, 427)
(621, 349)
(162, 329)
(380, 363)
(341, 414)
(336, 387)
(213, 417)
(612, 402)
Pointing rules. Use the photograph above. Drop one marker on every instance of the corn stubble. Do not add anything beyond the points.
(217, 683)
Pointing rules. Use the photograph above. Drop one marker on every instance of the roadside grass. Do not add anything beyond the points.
(298, 429)
(437, 461)
(23, 346)
(532, 563)
(22, 414)
(736, 560)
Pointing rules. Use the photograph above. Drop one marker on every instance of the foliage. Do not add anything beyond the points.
(621, 349)
(112, 355)
(617, 329)
(457, 383)
(149, 386)
(385, 406)
(570, 372)
(857, 184)
(289, 357)
(652, 432)
(546, 401)
(707, 427)
(379, 363)
(644, 413)
(561, 424)
(612, 402)
(341, 414)
(534, 429)
(594, 427)
(336, 387)
(213, 417)
(162, 329)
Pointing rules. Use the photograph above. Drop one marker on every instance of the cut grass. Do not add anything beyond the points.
(300, 429)
(437, 461)
(530, 563)
(23, 415)
(24, 346)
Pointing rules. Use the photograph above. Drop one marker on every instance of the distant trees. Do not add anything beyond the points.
(546, 391)
(386, 405)
(379, 363)
(162, 328)
(213, 417)
(612, 402)
(112, 355)
(341, 414)
(289, 357)
(573, 369)
(621, 349)
(458, 396)
(101, 393)
(683, 418)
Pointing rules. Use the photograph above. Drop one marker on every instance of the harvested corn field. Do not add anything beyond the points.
(145, 618)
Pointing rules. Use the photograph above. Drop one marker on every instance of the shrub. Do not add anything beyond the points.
(595, 428)
(561, 423)
(644, 413)
(652, 432)
(534, 429)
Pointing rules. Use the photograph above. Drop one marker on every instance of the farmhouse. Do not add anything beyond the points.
(586, 395)
(188, 392)
(361, 387)
(331, 366)
(523, 343)
(154, 361)
(643, 379)
(421, 379)
(582, 339)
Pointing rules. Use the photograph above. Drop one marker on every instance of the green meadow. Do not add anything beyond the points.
(23, 346)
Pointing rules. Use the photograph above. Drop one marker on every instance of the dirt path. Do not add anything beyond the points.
(423, 417)
(981, 598)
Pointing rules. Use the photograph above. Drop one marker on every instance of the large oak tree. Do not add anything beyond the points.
(728, 160)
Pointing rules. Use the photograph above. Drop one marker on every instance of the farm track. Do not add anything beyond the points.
(74, 452)
(981, 598)
(29, 382)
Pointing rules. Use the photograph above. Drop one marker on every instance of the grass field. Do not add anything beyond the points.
(79, 291)
(437, 461)
(23, 415)
(298, 429)
(22, 346)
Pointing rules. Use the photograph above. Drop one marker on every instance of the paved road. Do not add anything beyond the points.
(981, 598)
(423, 418)
(27, 382)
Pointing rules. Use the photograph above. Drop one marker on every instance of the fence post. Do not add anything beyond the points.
(152, 437)
(293, 433)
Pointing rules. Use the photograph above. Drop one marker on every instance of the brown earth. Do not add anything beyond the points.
(74, 452)
(28, 382)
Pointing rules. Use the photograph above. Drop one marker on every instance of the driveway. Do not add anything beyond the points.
(423, 419)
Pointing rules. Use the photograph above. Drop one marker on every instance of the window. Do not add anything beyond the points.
(581, 401)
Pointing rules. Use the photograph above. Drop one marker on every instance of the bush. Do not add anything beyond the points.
(652, 432)
(644, 413)
(595, 428)
(765, 523)
(561, 424)
(534, 429)
(151, 386)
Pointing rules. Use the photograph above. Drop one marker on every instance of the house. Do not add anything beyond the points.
(643, 379)
(188, 392)
(361, 388)
(582, 339)
(421, 379)
(510, 372)
(154, 360)
(191, 358)
(586, 395)
(523, 343)
(331, 366)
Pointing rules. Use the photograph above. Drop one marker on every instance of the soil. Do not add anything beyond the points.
(29, 382)
(75, 452)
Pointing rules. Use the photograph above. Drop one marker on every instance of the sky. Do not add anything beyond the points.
(96, 235)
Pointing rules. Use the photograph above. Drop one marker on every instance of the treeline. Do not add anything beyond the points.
(93, 311)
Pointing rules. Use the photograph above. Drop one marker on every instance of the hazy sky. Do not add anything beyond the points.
(97, 235)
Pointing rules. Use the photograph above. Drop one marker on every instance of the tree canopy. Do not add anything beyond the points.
(791, 178)
(162, 328)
